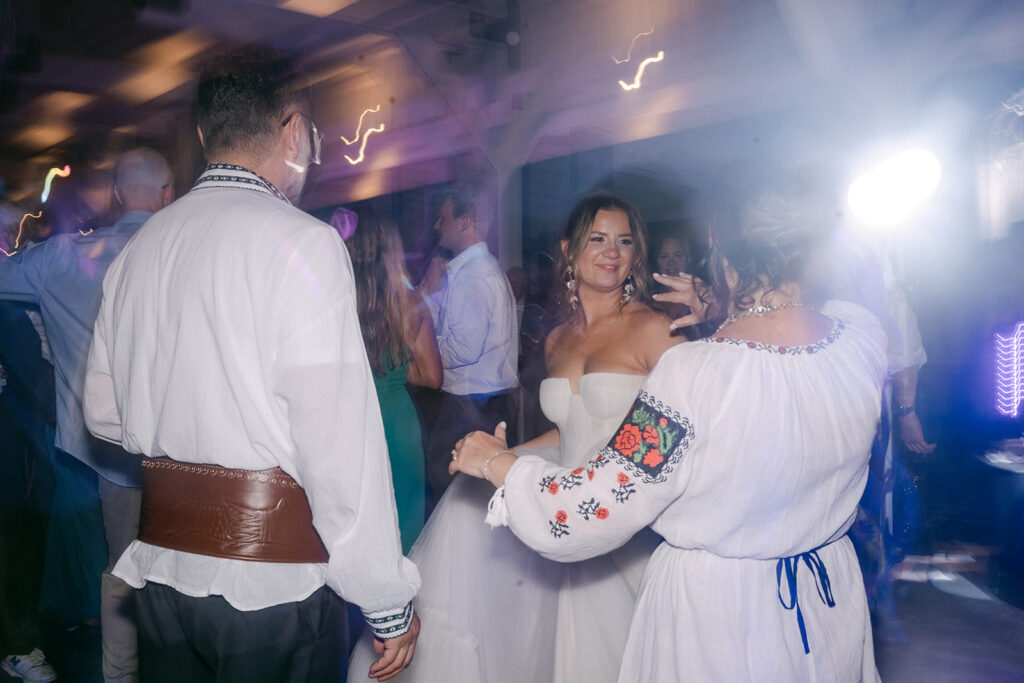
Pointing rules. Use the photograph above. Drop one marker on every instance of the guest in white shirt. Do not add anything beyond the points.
(228, 338)
(477, 333)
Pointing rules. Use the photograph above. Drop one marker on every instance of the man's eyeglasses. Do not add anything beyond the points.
(316, 138)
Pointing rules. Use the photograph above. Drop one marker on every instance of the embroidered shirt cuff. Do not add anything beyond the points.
(497, 510)
(389, 623)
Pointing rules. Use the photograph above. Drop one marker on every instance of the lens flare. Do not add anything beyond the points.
(890, 192)
(640, 72)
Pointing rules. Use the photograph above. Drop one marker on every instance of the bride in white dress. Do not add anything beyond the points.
(492, 610)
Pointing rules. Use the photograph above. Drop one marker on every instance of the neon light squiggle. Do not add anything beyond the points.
(640, 72)
(1010, 372)
(362, 148)
(629, 54)
(17, 240)
(360, 126)
(49, 180)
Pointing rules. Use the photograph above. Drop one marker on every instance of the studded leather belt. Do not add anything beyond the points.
(260, 516)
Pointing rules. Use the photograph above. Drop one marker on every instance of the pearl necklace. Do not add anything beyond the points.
(760, 311)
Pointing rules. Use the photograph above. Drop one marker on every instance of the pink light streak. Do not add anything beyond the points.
(1009, 367)
(49, 180)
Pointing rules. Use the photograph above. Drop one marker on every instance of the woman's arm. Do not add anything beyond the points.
(573, 514)
(425, 363)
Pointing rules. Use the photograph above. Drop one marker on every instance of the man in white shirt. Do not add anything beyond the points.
(228, 352)
(477, 334)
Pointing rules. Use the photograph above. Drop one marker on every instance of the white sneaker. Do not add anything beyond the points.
(32, 667)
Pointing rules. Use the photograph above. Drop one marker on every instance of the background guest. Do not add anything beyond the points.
(402, 348)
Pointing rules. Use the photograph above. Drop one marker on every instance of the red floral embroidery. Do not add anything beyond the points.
(662, 422)
(653, 458)
(602, 513)
(578, 470)
(622, 478)
(751, 345)
(628, 440)
(553, 488)
(590, 473)
(650, 435)
(561, 516)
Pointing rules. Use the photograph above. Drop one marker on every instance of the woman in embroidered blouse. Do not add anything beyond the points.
(525, 618)
(747, 451)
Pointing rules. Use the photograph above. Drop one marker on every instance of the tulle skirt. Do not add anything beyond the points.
(494, 611)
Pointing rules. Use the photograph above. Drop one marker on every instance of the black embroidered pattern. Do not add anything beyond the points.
(558, 525)
(588, 508)
(651, 440)
(625, 489)
(807, 349)
(549, 484)
(254, 180)
(572, 480)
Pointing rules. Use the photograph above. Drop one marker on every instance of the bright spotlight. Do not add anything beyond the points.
(889, 193)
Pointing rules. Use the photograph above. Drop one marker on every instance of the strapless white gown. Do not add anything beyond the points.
(494, 611)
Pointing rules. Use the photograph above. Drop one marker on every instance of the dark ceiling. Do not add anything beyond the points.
(498, 82)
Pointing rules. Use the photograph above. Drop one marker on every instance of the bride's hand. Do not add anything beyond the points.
(686, 289)
(472, 452)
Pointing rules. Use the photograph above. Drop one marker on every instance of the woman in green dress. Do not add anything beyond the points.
(402, 349)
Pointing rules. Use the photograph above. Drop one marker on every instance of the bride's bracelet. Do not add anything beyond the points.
(487, 463)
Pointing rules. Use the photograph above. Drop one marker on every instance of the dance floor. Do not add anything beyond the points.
(947, 630)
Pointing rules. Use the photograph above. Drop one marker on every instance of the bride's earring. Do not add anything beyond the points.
(570, 285)
(628, 289)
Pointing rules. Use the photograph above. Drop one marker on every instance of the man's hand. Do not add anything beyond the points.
(396, 653)
(912, 434)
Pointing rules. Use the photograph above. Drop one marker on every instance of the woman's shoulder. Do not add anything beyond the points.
(640, 313)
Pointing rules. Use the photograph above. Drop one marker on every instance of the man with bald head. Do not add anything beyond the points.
(64, 277)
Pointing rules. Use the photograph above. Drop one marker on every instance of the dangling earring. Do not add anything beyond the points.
(570, 285)
(628, 289)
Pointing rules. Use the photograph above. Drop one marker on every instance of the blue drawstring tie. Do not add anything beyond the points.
(821, 581)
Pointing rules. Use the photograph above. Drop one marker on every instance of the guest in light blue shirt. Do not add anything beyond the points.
(477, 334)
(64, 277)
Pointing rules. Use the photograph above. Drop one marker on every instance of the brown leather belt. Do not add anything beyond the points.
(236, 514)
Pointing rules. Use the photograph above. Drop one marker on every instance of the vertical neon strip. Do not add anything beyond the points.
(1009, 367)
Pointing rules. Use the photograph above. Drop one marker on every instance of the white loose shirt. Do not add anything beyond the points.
(228, 334)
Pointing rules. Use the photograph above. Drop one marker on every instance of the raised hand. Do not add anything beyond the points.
(686, 289)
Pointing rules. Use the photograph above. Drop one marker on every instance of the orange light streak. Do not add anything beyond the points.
(359, 127)
(17, 240)
(362, 148)
(640, 72)
(629, 54)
